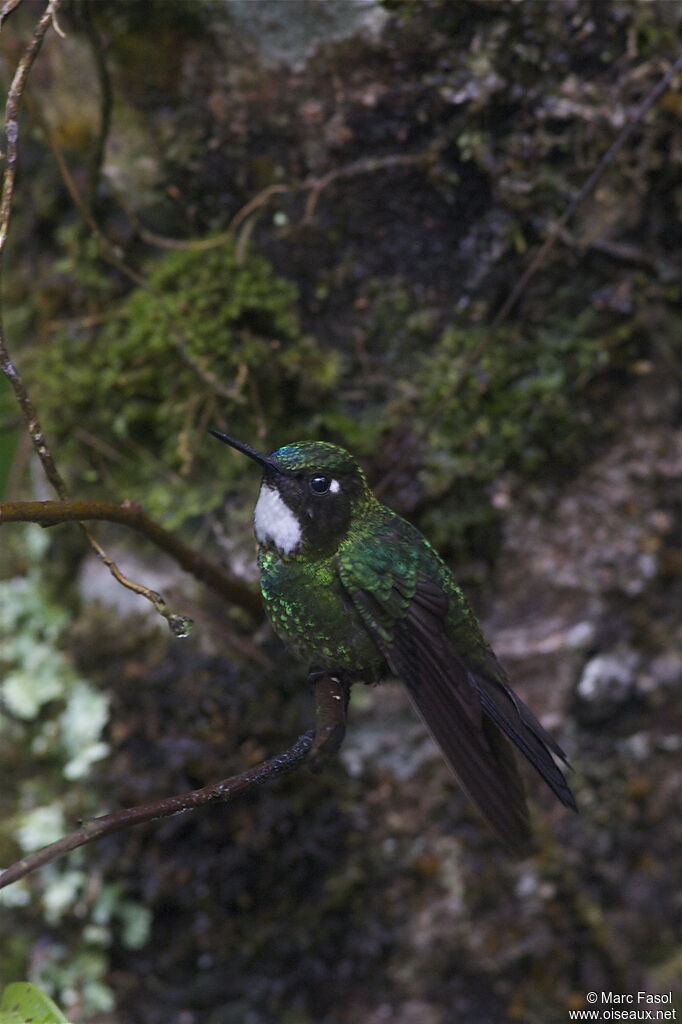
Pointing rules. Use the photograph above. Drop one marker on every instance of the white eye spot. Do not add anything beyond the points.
(274, 522)
(334, 487)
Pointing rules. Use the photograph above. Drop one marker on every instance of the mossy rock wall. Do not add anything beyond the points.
(379, 175)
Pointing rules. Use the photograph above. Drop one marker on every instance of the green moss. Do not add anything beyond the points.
(531, 406)
(212, 341)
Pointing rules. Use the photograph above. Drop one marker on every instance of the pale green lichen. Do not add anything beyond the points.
(81, 723)
(56, 719)
(39, 826)
(63, 892)
(37, 672)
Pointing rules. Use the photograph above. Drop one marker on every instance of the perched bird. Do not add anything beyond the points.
(354, 589)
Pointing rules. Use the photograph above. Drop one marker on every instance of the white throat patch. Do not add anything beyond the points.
(274, 522)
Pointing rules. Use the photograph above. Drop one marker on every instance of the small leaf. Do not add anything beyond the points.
(23, 1003)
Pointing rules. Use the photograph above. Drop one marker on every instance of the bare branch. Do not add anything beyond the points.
(12, 135)
(331, 702)
(11, 109)
(130, 514)
(218, 792)
(314, 186)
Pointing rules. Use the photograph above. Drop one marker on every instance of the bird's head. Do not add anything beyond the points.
(310, 494)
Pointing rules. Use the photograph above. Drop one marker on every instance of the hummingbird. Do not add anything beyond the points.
(354, 589)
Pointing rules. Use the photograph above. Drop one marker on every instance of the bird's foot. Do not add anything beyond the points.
(332, 693)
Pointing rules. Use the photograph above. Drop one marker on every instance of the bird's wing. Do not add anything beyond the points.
(405, 609)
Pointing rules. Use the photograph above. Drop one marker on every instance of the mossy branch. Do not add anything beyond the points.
(130, 514)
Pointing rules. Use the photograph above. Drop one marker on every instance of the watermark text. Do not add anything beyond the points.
(610, 1006)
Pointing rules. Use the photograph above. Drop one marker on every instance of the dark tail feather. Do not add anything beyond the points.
(512, 716)
(483, 762)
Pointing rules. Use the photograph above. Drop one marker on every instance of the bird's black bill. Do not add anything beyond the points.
(264, 460)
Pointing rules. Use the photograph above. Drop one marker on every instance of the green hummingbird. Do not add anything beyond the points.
(357, 591)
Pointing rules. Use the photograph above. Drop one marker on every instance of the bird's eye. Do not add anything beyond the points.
(319, 484)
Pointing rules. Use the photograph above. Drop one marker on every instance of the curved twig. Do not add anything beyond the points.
(314, 186)
(218, 792)
(315, 748)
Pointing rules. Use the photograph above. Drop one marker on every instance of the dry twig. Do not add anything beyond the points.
(331, 701)
(314, 186)
(218, 792)
(178, 623)
(106, 103)
(130, 514)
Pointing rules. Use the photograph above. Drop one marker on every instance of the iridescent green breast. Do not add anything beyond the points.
(311, 612)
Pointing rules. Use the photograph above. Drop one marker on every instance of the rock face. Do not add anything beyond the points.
(386, 171)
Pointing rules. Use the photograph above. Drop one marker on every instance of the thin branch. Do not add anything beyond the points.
(12, 135)
(112, 255)
(537, 261)
(315, 186)
(105, 105)
(6, 10)
(331, 702)
(11, 109)
(179, 624)
(130, 514)
(218, 792)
